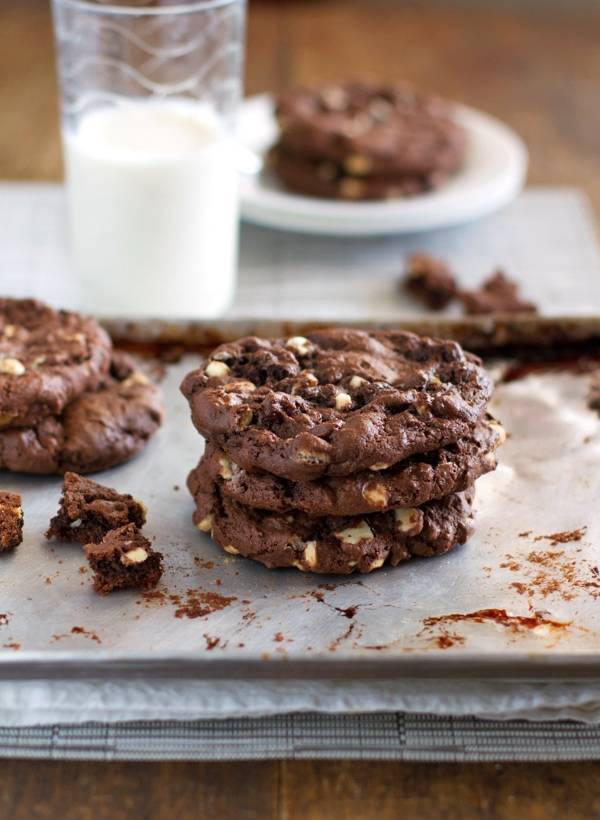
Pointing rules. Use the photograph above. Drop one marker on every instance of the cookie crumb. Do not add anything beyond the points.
(429, 280)
(498, 294)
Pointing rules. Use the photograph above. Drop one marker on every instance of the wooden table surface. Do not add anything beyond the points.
(534, 65)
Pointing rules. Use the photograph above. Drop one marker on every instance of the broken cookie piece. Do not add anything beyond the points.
(11, 520)
(430, 281)
(498, 294)
(89, 510)
(124, 559)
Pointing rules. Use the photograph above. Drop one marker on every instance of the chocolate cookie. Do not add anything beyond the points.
(498, 294)
(95, 432)
(124, 559)
(47, 359)
(89, 510)
(409, 483)
(371, 129)
(430, 280)
(336, 402)
(11, 520)
(333, 545)
(323, 178)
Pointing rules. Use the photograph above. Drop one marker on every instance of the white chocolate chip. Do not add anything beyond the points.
(408, 520)
(356, 381)
(354, 535)
(231, 550)
(11, 367)
(378, 562)
(241, 386)
(226, 468)
(137, 377)
(299, 566)
(351, 188)
(376, 494)
(343, 401)
(38, 361)
(222, 356)
(310, 554)
(216, 370)
(300, 344)
(379, 465)
(135, 556)
(18, 511)
(9, 331)
(358, 165)
(245, 419)
(75, 524)
(206, 524)
(312, 458)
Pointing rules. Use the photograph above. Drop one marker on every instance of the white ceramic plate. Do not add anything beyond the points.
(493, 175)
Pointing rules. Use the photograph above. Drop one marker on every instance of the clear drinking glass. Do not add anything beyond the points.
(149, 100)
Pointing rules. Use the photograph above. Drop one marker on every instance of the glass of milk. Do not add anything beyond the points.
(149, 97)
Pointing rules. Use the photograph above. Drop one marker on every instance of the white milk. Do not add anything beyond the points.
(153, 205)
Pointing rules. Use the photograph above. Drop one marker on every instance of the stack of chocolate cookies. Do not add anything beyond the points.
(360, 141)
(340, 451)
(68, 401)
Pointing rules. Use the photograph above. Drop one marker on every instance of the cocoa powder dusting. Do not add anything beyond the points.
(562, 537)
(200, 604)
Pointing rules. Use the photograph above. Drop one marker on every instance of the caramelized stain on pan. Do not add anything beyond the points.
(4, 619)
(78, 630)
(13, 646)
(448, 640)
(211, 642)
(498, 616)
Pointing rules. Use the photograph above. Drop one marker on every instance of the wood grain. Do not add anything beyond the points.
(534, 66)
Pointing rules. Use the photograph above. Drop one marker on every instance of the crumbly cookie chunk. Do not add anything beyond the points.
(337, 545)
(410, 483)
(47, 359)
(124, 558)
(89, 510)
(429, 280)
(98, 430)
(11, 520)
(498, 294)
(337, 401)
(371, 129)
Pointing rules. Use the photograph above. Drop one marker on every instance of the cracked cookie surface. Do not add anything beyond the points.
(337, 401)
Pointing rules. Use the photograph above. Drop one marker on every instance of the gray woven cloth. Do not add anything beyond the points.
(390, 736)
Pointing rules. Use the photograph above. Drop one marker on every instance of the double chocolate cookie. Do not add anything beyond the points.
(340, 451)
(411, 482)
(336, 402)
(337, 545)
(47, 359)
(97, 430)
(365, 141)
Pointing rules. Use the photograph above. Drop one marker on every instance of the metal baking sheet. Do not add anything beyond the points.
(521, 599)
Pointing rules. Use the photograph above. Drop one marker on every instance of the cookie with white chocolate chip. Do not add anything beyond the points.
(47, 359)
(412, 482)
(98, 430)
(124, 559)
(336, 545)
(89, 510)
(337, 401)
(324, 178)
(368, 131)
